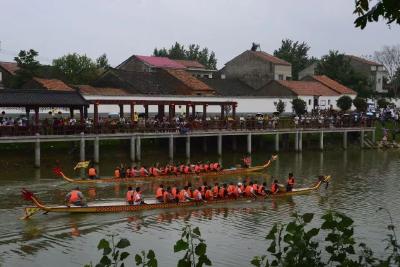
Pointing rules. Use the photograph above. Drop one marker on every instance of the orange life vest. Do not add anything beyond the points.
(173, 191)
(231, 189)
(248, 190)
(209, 195)
(166, 196)
(92, 172)
(186, 170)
(130, 196)
(196, 194)
(197, 168)
(206, 167)
(142, 171)
(274, 188)
(291, 181)
(260, 190)
(215, 190)
(211, 166)
(182, 195)
(221, 192)
(159, 193)
(155, 172)
(255, 187)
(216, 166)
(74, 196)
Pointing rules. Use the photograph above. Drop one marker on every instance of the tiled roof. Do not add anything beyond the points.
(307, 88)
(334, 85)
(270, 58)
(363, 60)
(40, 97)
(189, 80)
(11, 67)
(190, 63)
(106, 91)
(161, 62)
(230, 87)
(53, 84)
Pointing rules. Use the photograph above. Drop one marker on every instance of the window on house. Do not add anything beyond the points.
(280, 76)
(309, 102)
(329, 102)
(379, 80)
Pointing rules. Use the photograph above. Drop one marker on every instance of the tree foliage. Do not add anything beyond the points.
(296, 53)
(337, 66)
(360, 104)
(389, 10)
(280, 106)
(79, 69)
(389, 56)
(382, 103)
(344, 102)
(192, 52)
(102, 62)
(28, 67)
(299, 106)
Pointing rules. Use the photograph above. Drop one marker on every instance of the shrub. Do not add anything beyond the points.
(360, 104)
(382, 103)
(344, 103)
(299, 106)
(280, 106)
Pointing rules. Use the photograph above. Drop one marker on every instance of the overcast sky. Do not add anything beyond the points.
(121, 28)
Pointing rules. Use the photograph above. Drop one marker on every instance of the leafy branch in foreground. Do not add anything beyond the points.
(194, 246)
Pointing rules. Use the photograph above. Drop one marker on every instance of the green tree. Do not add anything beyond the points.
(389, 10)
(299, 106)
(382, 103)
(28, 67)
(344, 102)
(280, 106)
(337, 66)
(102, 62)
(77, 69)
(296, 53)
(193, 52)
(360, 104)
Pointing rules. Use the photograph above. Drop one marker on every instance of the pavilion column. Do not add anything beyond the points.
(187, 111)
(222, 112)
(96, 114)
(138, 148)
(171, 147)
(173, 110)
(85, 112)
(71, 112)
(204, 112)
(133, 148)
(146, 111)
(161, 111)
(27, 111)
(220, 145)
(132, 112)
(234, 111)
(37, 117)
(193, 110)
(321, 140)
(277, 142)
(121, 110)
(362, 138)
(82, 147)
(170, 115)
(82, 115)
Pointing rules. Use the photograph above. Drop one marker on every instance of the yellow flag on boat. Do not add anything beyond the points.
(82, 164)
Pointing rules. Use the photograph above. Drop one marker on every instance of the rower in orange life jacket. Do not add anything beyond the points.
(274, 187)
(197, 168)
(159, 193)
(217, 167)
(247, 162)
(92, 173)
(143, 172)
(255, 187)
(197, 195)
(186, 169)
(181, 168)
(156, 172)
(203, 189)
(167, 196)
(184, 195)
(206, 167)
(130, 195)
(215, 189)
(209, 194)
(75, 197)
(261, 189)
(189, 190)
(290, 183)
(211, 166)
(117, 172)
(174, 192)
(249, 190)
(222, 191)
(231, 190)
(137, 197)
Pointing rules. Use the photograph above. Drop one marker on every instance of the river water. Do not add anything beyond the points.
(362, 182)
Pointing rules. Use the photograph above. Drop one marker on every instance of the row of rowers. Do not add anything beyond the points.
(121, 172)
(208, 193)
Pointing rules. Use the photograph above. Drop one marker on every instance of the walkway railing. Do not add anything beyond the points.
(156, 127)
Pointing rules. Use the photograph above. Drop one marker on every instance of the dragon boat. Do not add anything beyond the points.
(102, 207)
(223, 172)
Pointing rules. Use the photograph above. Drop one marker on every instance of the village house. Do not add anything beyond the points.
(375, 72)
(257, 68)
(7, 71)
